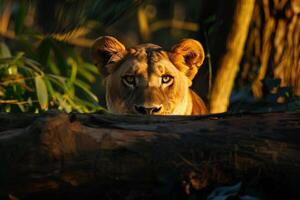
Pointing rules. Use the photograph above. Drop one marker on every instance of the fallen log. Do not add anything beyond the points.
(87, 156)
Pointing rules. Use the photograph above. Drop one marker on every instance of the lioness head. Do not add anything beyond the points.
(146, 79)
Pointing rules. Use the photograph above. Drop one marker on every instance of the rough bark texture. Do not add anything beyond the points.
(273, 45)
(77, 156)
(229, 63)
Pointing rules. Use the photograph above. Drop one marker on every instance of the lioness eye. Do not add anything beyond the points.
(166, 79)
(129, 79)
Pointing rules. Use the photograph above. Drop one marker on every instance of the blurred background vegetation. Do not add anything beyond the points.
(45, 63)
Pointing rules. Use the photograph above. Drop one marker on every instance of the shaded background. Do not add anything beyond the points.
(57, 35)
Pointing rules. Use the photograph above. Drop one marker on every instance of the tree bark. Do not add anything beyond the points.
(229, 62)
(273, 46)
(58, 156)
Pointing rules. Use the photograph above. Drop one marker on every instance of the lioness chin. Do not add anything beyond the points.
(148, 80)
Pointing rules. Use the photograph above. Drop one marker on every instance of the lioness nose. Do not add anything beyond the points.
(147, 110)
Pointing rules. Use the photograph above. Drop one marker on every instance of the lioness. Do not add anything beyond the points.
(148, 80)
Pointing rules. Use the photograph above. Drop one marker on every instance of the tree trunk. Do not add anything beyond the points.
(229, 62)
(273, 45)
(60, 156)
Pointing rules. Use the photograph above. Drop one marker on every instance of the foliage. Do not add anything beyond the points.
(44, 66)
(39, 72)
(53, 82)
(39, 68)
(62, 15)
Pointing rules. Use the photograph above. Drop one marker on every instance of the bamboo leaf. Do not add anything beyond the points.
(84, 87)
(91, 67)
(54, 68)
(42, 93)
(73, 70)
(21, 107)
(86, 74)
(4, 51)
(61, 79)
(63, 105)
(5, 61)
(34, 65)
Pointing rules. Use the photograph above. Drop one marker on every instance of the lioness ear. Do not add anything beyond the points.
(107, 50)
(188, 56)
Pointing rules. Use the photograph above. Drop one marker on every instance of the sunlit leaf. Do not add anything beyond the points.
(29, 100)
(91, 68)
(12, 70)
(22, 107)
(92, 106)
(42, 93)
(75, 106)
(49, 87)
(73, 69)
(34, 65)
(54, 68)
(63, 104)
(7, 107)
(4, 51)
(86, 74)
(62, 80)
(18, 56)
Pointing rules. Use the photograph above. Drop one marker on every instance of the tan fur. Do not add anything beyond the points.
(147, 64)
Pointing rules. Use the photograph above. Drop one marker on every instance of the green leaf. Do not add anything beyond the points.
(4, 51)
(86, 74)
(18, 56)
(91, 67)
(73, 70)
(63, 105)
(21, 107)
(61, 79)
(86, 89)
(7, 107)
(34, 65)
(5, 61)
(49, 86)
(42, 93)
(210, 19)
(54, 68)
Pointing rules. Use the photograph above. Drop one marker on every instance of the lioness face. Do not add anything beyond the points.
(147, 83)
(146, 79)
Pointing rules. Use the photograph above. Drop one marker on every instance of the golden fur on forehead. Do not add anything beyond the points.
(141, 52)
